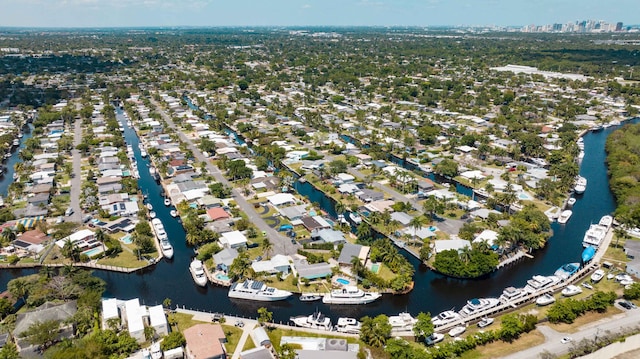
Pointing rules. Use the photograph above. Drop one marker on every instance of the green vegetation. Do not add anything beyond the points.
(566, 311)
(623, 149)
(467, 263)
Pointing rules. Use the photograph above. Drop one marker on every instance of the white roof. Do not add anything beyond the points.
(233, 238)
(281, 198)
(345, 177)
(156, 316)
(447, 244)
(134, 319)
(109, 308)
(472, 174)
(488, 236)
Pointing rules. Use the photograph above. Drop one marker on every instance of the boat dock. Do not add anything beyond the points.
(514, 258)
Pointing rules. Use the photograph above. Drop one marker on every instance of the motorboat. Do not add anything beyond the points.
(571, 290)
(477, 305)
(594, 235)
(597, 127)
(485, 322)
(355, 218)
(166, 248)
(564, 216)
(606, 221)
(173, 213)
(350, 295)
(152, 214)
(316, 320)
(581, 185)
(149, 206)
(511, 294)
(567, 270)
(455, 331)
(434, 338)
(545, 300)
(623, 277)
(403, 320)
(539, 283)
(587, 285)
(143, 153)
(167, 202)
(197, 272)
(445, 317)
(588, 253)
(310, 297)
(258, 291)
(597, 275)
(571, 201)
(348, 325)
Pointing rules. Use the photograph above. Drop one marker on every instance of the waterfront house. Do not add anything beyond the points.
(205, 341)
(369, 195)
(110, 313)
(225, 257)
(60, 313)
(158, 320)
(281, 199)
(233, 239)
(312, 271)
(314, 223)
(403, 218)
(277, 264)
(217, 213)
(448, 244)
(135, 325)
(328, 235)
(318, 348)
(293, 213)
(350, 250)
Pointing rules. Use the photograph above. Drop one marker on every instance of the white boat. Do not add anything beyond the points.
(350, 295)
(434, 338)
(167, 202)
(348, 325)
(587, 285)
(539, 283)
(477, 305)
(155, 351)
(446, 317)
(567, 270)
(485, 322)
(571, 290)
(167, 249)
(310, 297)
(581, 185)
(256, 290)
(545, 300)
(342, 220)
(606, 221)
(564, 216)
(143, 153)
(314, 321)
(197, 272)
(355, 217)
(597, 275)
(152, 214)
(594, 235)
(149, 206)
(455, 331)
(580, 157)
(403, 320)
(511, 294)
(570, 202)
(173, 213)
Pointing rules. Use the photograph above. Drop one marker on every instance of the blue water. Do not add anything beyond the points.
(6, 181)
(93, 252)
(342, 281)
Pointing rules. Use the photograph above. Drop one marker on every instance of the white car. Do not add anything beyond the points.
(566, 340)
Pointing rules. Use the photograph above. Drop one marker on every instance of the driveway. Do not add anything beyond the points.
(281, 244)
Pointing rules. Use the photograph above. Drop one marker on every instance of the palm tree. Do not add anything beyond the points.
(18, 288)
(340, 208)
(417, 223)
(363, 231)
(356, 267)
(267, 247)
(101, 237)
(375, 217)
(465, 254)
(46, 272)
(432, 206)
(7, 235)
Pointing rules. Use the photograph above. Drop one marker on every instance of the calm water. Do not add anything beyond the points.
(6, 180)
(171, 279)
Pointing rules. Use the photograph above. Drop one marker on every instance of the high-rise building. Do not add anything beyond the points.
(619, 26)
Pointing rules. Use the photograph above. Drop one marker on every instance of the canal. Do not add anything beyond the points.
(171, 279)
(7, 179)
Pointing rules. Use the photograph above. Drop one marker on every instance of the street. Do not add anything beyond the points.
(76, 179)
(281, 244)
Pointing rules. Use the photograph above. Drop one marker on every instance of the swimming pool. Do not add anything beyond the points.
(126, 239)
(222, 277)
(524, 196)
(93, 252)
(342, 281)
(375, 268)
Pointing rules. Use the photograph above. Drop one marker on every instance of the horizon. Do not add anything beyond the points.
(63, 14)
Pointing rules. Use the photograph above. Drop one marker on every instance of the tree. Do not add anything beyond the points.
(42, 334)
(447, 168)
(375, 331)
(356, 267)
(174, 339)
(166, 303)
(9, 351)
(633, 292)
(417, 223)
(433, 206)
(511, 328)
(264, 315)
(267, 247)
(423, 327)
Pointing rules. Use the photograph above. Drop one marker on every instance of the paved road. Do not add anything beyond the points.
(552, 342)
(76, 181)
(281, 244)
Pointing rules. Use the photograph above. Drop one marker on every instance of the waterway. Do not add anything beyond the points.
(433, 292)
(7, 179)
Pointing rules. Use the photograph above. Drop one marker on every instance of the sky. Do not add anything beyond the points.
(151, 13)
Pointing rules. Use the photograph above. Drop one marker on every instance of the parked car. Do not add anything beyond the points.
(68, 212)
(566, 340)
(627, 304)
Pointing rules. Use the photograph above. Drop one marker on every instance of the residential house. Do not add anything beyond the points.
(312, 271)
(233, 239)
(349, 251)
(448, 244)
(369, 195)
(314, 223)
(60, 313)
(225, 257)
(277, 264)
(327, 235)
(205, 341)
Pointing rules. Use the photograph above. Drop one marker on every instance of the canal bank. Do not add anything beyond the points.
(171, 279)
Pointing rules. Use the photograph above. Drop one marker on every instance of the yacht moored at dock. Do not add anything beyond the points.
(258, 291)
(403, 320)
(310, 297)
(348, 325)
(594, 235)
(510, 294)
(567, 270)
(445, 317)
(588, 253)
(539, 283)
(350, 295)
(355, 218)
(581, 185)
(314, 321)
(564, 216)
(606, 222)
(477, 305)
(197, 272)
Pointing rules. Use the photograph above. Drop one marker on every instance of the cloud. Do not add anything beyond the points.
(306, 6)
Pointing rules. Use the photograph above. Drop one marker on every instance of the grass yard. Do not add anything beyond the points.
(182, 321)
(233, 335)
(124, 259)
(286, 284)
(615, 253)
(385, 273)
(500, 348)
(587, 318)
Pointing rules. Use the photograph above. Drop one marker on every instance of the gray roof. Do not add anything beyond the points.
(47, 311)
(293, 211)
(313, 271)
(401, 217)
(189, 185)
(225, 256)
(329, 236)
(323, 354)
(256, 353)
(348, 252)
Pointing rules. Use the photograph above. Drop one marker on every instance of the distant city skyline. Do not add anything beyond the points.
(160, 13)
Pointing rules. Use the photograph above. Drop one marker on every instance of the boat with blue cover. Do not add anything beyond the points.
(588, 253)
(567, 270)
